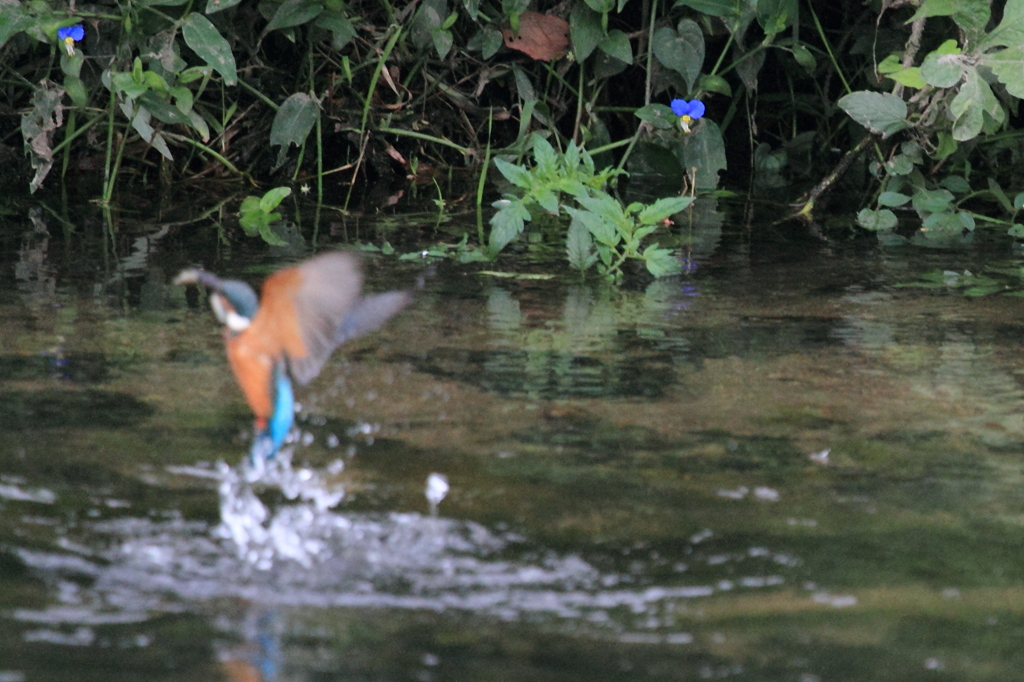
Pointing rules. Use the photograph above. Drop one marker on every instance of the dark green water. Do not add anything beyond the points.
(780, 466)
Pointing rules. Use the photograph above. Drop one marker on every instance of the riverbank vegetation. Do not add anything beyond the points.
(914, 103)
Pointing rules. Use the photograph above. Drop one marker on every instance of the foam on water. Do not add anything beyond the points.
(304, 552)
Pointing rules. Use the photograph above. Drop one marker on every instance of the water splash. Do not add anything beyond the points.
(301, 552)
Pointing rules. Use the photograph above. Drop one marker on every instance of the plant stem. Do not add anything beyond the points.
(481, 181)
(828, 48)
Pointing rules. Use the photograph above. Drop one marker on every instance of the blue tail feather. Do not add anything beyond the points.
(269, 440)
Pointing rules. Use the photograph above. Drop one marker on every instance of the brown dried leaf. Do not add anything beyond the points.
(541, 36)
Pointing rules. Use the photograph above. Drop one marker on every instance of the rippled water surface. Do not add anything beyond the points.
(780, 466)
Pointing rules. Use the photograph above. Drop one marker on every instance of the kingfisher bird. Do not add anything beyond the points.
(304, 313)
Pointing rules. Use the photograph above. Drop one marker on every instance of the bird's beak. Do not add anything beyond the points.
(190, 276)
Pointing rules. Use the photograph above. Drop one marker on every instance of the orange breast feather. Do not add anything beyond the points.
(274, 331)
(252, 361)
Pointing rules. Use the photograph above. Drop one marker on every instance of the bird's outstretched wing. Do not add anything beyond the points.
(316, 306)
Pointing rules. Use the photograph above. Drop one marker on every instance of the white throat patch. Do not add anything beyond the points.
(227, 315)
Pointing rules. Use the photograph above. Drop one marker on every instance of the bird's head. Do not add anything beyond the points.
(234, 302)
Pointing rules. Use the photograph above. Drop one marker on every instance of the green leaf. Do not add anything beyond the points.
(443, 41)
(273, 198)
(76, 91)
(293, 121)
(944, 67)
(193, 74)
(548, 200)
(966, 219)
(1010, 31)
(715, 8)
(972, 17)
(1000, 195)
(219, 5)
(294, 13)
(1017, 231)
(124, 84)
(663, 208)
(163, 110)
(338, 24)
(941, 224)
(183, 99)
(660, 116)
(199, 124)
(207, 42)
(958, 184)
(600, 228)
(804, 57)
(946, 146)
(775, 15)
(934, 8)
(524, 87)
(932, 200)
(909, 77)
(585, 30)
(900, 164)
(429, 17)
(1018, 202)
(267, 231)
(579, 246)
(155, 81)
(488, 41)
(704, 149)
(749, 66)
(716, 84)
(544, 155)
(606, 207)
(572, 156)
(975, 96)
(507, 223)
(661, 262)
(249, 204)
(880, 112)
(512, 9)
(157, 141)
(14, 20)
(616, 44)
(517, 175)
(601, 6)
(72, 66)
(1008, 67)
(890, 64)
(892, 199)
(681, 50)
(877, 220)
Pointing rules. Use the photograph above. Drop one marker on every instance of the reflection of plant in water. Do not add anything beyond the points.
(998, 280)
(581, 350)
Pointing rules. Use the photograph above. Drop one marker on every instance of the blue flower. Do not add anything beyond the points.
(71, 35)
(688, 112)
